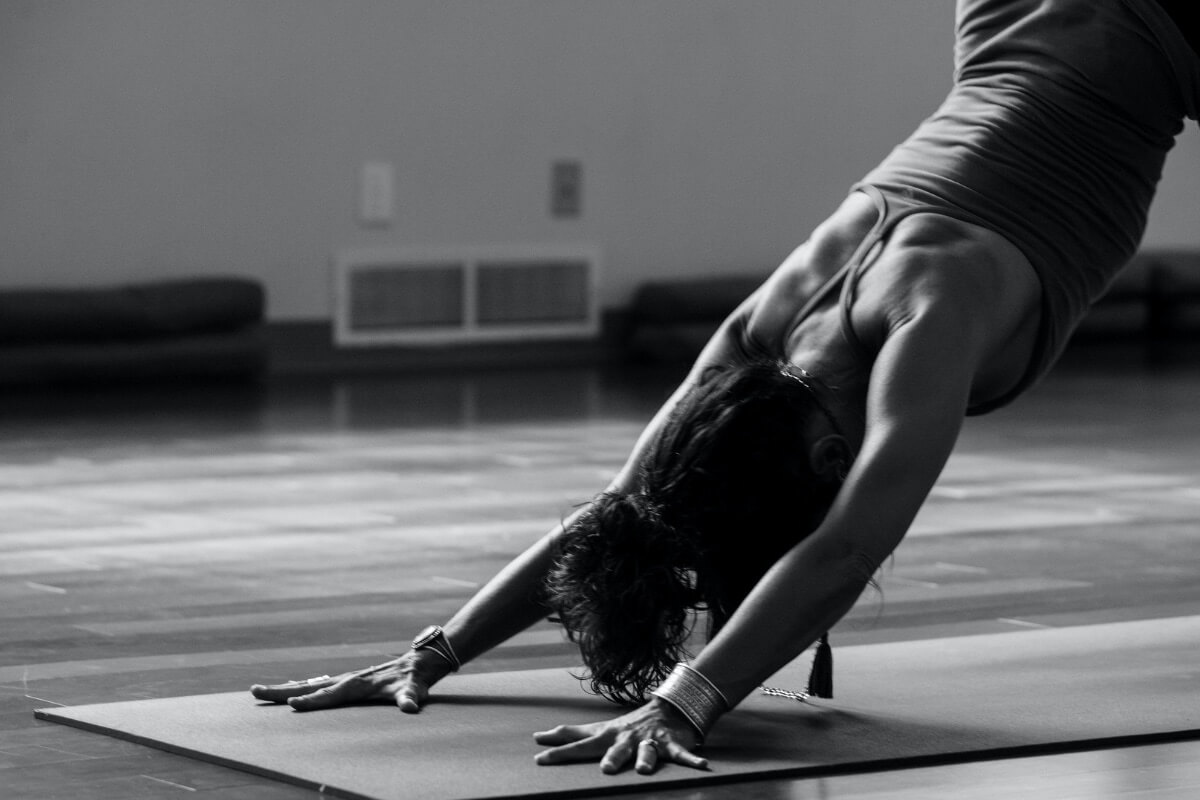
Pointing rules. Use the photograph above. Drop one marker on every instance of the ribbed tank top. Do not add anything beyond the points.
(1054, 135)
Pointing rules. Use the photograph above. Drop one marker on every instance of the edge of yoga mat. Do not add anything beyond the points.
(899, 705)
(662, 783)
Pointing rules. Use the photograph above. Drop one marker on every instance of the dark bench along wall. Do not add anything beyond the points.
(185, 329)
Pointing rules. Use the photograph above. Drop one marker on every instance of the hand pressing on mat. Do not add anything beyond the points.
(405, 680)
(654, 733)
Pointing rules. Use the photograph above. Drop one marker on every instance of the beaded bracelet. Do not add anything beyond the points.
(695, 696)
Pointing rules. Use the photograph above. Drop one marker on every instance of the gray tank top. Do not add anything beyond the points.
(1054, 136)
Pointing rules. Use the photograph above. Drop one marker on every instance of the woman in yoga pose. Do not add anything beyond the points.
(792, 459)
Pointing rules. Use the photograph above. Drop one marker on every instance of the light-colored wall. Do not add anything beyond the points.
(156, 138)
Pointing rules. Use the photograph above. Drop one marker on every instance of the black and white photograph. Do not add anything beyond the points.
(553, 399)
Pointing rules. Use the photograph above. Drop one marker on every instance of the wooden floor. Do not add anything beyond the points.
(198, 540)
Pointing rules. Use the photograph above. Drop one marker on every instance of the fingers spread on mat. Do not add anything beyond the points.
(582, 750)
(563, 734)
(282, 692)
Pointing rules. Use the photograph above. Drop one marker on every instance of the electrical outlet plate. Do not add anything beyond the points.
(566, 189)
(377, 196)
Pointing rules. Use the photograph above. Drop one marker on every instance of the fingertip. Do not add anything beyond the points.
(265, 693)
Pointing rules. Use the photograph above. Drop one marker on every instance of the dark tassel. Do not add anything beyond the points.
(820, 680)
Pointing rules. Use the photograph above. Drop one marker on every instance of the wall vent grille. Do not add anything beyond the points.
(409, 296)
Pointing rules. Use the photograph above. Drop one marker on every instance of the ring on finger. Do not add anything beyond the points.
(653, 744)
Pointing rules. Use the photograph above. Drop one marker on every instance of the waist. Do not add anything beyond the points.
(1059, 182)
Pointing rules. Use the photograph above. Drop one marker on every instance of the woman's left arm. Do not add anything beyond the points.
(916, 401)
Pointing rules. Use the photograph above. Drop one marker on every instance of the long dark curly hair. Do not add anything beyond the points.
(725, 489)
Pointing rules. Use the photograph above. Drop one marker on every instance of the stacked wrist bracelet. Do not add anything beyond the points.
(694, 696)
(434, 638)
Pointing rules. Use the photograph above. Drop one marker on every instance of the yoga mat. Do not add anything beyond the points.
(898, 704)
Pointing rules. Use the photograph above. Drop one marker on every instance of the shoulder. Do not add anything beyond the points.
(805, 275)
(936, 267)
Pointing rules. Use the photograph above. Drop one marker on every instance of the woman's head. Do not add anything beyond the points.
(745, 466)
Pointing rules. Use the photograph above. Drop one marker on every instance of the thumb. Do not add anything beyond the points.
(411, 696)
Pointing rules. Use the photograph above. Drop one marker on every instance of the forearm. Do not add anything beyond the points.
(507, 604)
(799, 599)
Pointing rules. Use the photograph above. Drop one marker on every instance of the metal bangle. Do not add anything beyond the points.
(455, 664)
(434, 638)
(695, 696)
